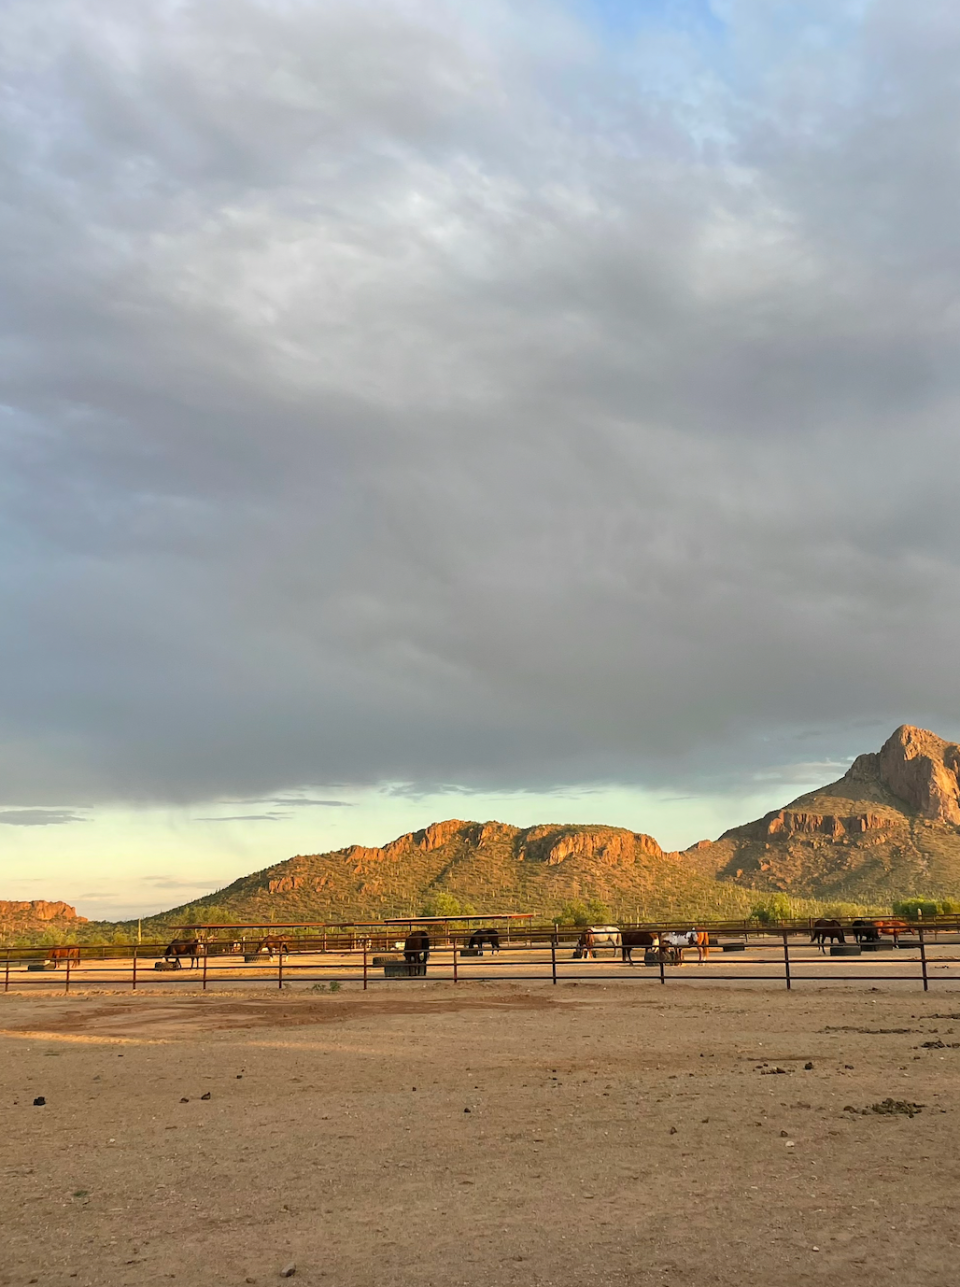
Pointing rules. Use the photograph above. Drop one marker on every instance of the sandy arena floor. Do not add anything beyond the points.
(500, 1133)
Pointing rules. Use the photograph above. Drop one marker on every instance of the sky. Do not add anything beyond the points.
(414, 409)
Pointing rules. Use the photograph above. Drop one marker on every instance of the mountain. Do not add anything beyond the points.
(493, 866)
(888, 829)
(37, 914)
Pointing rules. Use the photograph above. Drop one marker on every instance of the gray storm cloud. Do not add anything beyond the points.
(427, 393)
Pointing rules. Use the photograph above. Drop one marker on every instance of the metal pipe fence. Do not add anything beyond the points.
(754, 956)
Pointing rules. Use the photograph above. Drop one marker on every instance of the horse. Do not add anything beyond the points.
(629, 939)
(823, 930)
(416, 948)
(699, 939)
(865, 931)
(597, 936)
(273, 943)
(489, 936)
(195, 948)
(69, 954)
(892, 926)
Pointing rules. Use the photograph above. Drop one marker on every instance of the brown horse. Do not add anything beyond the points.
(273, 944)
(195, 948)
(823, 930)
(69, 954)
(629, 939)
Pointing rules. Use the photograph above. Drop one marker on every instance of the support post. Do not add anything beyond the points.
(280, 969)
(663, 977)
(553, 957)
(66, 983)
(454, 942)
(786, 960)
(134, 969)
(923, 962)
(364, 965)
(6, 976)
(204, 971)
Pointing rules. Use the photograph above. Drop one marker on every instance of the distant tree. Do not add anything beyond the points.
(598, 911)
(775, 908)
(916, 909)
(575, 913)
(444, 904)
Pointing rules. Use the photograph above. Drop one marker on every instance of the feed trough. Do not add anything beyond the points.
(733, 947)
(404, 970)
(877, 947)
(166, 965)
(41, 965)
(844, 949)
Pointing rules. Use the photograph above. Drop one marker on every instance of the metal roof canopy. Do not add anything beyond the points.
(399, 920)
(442, 920)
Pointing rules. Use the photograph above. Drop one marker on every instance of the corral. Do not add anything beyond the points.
(905, 956)
(576, 1135)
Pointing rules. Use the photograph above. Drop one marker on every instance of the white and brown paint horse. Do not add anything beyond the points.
(595, 937)
(683, 939)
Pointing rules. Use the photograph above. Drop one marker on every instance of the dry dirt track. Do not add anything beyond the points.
(616, 1135)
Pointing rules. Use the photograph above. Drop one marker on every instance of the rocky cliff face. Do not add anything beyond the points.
(37, 910)
(922, 770)
(890, 827)
(491, 865)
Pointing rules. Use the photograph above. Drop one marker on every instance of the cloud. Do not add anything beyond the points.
(246, 817)
(299, 803)
(445, 394)
(38, 817)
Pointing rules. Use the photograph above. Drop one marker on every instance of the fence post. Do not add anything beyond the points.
(6, 976)
(364, 965)
(786, 960)
(553, 957)
(454, 942)
(134, 969)
(663, 977)
(923, 962)
(204, 972)
(280, 969)
(66, 984)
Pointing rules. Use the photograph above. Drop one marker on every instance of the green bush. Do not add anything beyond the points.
(777, 907)
(444, 904)
(916, 909)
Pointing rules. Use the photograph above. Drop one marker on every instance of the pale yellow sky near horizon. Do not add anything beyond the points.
(123, 862)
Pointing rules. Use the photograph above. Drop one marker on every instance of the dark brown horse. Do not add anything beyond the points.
(195, 948)
(629, 939)
(823, 930)
(491, 937)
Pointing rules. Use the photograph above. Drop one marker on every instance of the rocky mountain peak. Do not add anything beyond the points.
(920, 769)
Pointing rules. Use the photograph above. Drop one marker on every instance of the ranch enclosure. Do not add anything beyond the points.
(921, 955)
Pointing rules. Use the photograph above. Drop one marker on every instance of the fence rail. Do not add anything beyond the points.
(753, 956)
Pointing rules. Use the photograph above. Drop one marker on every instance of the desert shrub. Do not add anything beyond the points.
(775, 908)
(598, 911)
(575, 913)
(444, 904)
(916, 909)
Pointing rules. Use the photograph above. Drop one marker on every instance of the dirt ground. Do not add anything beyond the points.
(497, 1133)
